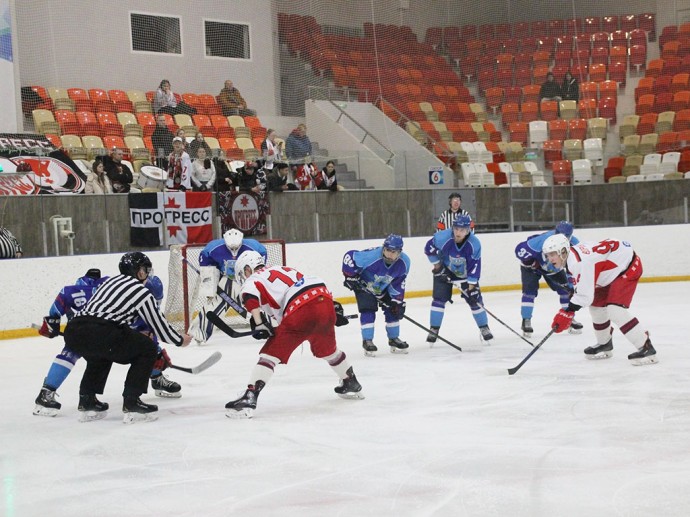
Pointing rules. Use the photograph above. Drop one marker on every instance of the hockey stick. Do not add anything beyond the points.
(224, 327)
(464, 293)
(224, 296)
(512, 371)
(205, 365)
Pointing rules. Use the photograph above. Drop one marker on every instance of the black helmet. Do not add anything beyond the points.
(132, 262)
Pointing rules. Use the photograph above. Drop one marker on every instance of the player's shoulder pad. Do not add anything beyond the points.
(213, 245)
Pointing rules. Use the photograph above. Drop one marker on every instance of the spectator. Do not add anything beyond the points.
(298, 145)
(9, 245)
(179, 167)
(570, 89)
(203, 171)
(232, 102)
(270, 150)
(98, 182)
(165, 101)
(119, 173)
(306, 175)
(550, 91)
(226, 178)
(180, 133)
(248, 180)
(326, 180)
(162, 139)
(277, 179)
(197, 143)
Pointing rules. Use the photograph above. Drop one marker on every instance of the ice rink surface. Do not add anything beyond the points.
(441, 432)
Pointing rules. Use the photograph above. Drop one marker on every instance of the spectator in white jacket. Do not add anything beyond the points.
(203, 172)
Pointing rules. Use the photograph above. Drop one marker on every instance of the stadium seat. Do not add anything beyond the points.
(111, 141)
(572, 149)
(209, 106)
(130, 125)
(628, 126)
(530, 93)
(664, 122)
(681, 100)
(582, 171)
(139, 101)
(568, 110)
(648, 143)
(562, 172)
(549, 110)
(630, 145)
(529, 111)
(607, 109)
(68, 122)
(593, 150)
(510, 112)
(668, 142)
(72, 144)
(81, 99)
(122, 102)
(88, 123)
(589, 90)
(518, 132)
(614, 168)
(577, 129)
(597, 127)
(94, 146)
(558, 129)
(587, 108)
(147, 121)
(61, 99)
(538, 133)
(203, 122)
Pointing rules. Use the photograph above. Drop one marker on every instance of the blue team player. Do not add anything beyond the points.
(377, 275)
(217, 271)
(534, 266)
(68, 302)
(456, 256)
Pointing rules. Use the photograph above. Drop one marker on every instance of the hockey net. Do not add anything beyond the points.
(182, 303)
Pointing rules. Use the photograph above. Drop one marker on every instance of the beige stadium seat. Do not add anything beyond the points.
(139, 101)
(664, 122)
(137, 148)
(243, 132)
(61, 99)
(251, 154)
(428, 110)
(482, 134)
(74, 146)
(185, 122)
(236, 121)
(674, 176)
(130, 125)
(631, 144)
(568, 110)
(515, 152)
(648, 143)
(244, 143)
(617, 179)
(479, 112)
(446, 135)
(632, 165)
(212, 142)
(628, 126)
(45, 123)
(597, 127)
(458, 151)
(94, 146)
(572, 149)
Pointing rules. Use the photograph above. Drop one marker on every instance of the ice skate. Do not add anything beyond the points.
(575, 327)
(432, 336)
(137, 411)
(527, 329)
(600, 351)
(46, 405)
(244, 406)
(645, 355)
(349, 388)
(369, 348)
(165, 388)
(398, 346)
(91, 408)
(486, 334)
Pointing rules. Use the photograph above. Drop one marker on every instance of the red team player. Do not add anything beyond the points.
(304, 310)
(605, 275)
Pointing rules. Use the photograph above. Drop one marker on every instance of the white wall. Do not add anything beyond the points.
(29, 286)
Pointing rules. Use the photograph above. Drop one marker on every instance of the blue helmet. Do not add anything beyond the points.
(154, 284)
(462, 221)
(565, 228)
(393, 242)
(92, 278)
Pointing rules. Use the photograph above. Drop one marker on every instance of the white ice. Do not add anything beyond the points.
(441, 432)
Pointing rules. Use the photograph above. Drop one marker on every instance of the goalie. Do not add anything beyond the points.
(217, 275)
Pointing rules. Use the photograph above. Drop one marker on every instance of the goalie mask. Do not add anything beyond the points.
(249, 258)
(233, 240)
(559, 244)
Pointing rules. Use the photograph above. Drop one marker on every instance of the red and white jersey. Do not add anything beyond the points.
(280, 290)
(596, 264)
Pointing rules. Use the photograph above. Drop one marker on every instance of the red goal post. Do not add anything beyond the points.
(181, 301)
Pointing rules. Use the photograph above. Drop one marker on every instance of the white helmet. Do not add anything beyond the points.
(558, 243)
(233, 239)
(249, 258)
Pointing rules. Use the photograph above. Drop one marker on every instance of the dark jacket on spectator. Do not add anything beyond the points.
(162, 138)
(222, 173)
(119, 174)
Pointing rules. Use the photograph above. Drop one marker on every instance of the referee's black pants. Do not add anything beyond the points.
(103, 343)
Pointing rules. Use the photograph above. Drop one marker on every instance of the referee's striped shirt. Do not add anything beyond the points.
(9, 245)
(122, 298)
(446, 219)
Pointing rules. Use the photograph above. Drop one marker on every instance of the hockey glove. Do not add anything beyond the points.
(263, 330)
(562, 320)
(441, 273)
(162, 361)
(397, 308)
(340, 318)
(353, 283)
(50, 327)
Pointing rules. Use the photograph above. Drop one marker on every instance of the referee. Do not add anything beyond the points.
(101, 333)
(445, 220)
(9, 245)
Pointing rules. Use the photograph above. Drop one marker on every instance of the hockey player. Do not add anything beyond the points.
(217, 271)
(456, 257)
(377, 277)
(303, 309)
(67, 303)
(534, 266)
(605, 275)
(445, 220)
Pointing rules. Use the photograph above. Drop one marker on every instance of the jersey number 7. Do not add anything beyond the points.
(285, 278)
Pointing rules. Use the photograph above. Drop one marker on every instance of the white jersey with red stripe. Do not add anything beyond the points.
(597, 264)
(279, 290)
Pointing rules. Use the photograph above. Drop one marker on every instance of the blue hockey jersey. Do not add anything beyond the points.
(379, 279)
(217, 254)
(530, 250)
(72, 298)
(463, 261)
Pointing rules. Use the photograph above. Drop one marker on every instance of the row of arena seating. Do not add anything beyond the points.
(674, 32)
(652, 122)
(652, 166)
(143, 124)
(663, 84)
(438, 36)
(654, 142)
(552, 110)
